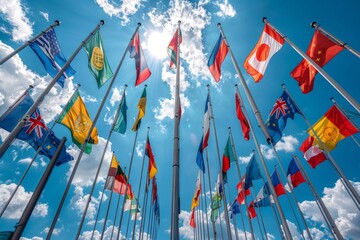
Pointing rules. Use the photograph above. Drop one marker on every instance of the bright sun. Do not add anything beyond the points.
(157, 44)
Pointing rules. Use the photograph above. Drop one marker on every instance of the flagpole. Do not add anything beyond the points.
(211, 196)
(116, 211)
(10, 138)
(201, 203)
(145, 201)
(234, 218)
(27, 43)
(149, 223)
(338, 41)
(262, 234)
(18, 99)
(20, 226)
(175, 204)
(204, 200)
(221, 229)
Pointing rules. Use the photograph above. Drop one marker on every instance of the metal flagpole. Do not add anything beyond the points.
(259, 211)
(234, 216)
(56, 23)
(205, 204)
(20, 226)
(145, 201)
(6, 143)
(220, 224)
(117, 209)
(327, 77)
(202, 218)
(211, 196)
(18, 99)
(324, 208)
(221, 176)
(149, 222)
(175, 204)
(338, 41)
(127, 226)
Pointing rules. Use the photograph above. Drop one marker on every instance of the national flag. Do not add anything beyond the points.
(136, 52)
(245, 127)
(251, 210)
(207, 115)
(228, 156)
(141, 113)
(321, 50)
(312, 152)
(217, 57)
(172, 49)
(195, 199)
(98, 63)
(116, 180)
(283, 109)
(35, 132)
(278, 186)
(200, 156)
(152, 164)
(242, 193)
(294, 176)
(154, 190)
(252, 172)
(192, 219)
(48, 50)
(269, 43)
(215, 206)
(121, 121)
(234, 208)
(76, 118)
(219, 186)
(129, 203)
(263, 198)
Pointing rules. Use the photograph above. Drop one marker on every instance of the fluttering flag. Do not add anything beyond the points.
(218, 185)
(192, 219)
(245, 127)
(242, 193)
(35, 132)
(154, 190)
(128, 203)
(252, 172)
(116, 179)
(76, 118)
(278, 186)
(141, 113)
(152, 164)
(312, 152)
(132, 206)
(217, 57)
(98, 63)
(263, 198)
(172, 49)
(136, 52)
(195, 199)
(234, 208)
(48, 50)
(207, 115)
(251, 210)
(269, 43)
(121, 121)
(321, 50)
(283, 109)
(215, 206)
(294, 176)
(228, 156)
(200, 156)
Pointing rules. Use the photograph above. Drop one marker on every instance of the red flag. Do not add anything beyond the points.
(243, 121)
(321, 49)
(312, 153)
(251, 210)
(142, 70)
(152, 165)
(192, 219)
(241, 193)
(217, 57)
(172, 49)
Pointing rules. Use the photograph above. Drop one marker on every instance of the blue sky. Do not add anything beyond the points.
(242, 24)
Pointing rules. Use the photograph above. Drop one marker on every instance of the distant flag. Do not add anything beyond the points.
(192, 219)
(245, 127)
(128, 203)
(278, 186)
(98, 63)
(269, 43)
(207, 116)
(76, 118)
(228, 156)
(251, 210)
(252, 172)
(116, 180)
(312, 152)
(283, 109)
(142, 108)
(242, 193)
(217, 57)
(321, 50)
(263, 198)
(152, 164)
(218, 185)
(136, 52)
(121, 121)
(234, 208)
(200, 156)
(48, 50)
(215, 206)
(294, 176)
(154, 190)
(132, 206)
(195, 199)
(172, 49)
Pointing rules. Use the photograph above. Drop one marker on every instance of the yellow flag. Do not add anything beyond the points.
(142, 108)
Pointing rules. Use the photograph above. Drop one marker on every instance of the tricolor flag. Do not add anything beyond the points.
(217, 57)
(200, 156)
(245, 127)
(278, 186)
(207, 116)
(141, 113)
(294, 176)
(228, 156)
(172, 49)
(251, 210)
(117, 180)
(192, 219)
(195, 199)
(269, 43)
(136, 52)
(152, 165)
(252, 172)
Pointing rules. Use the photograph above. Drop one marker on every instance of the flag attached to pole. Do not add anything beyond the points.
(141, 113)
(98, 63)
(207, 115)
(152, 165)
(217, 57)
(154, 190)
(251, 210)
(234, 208)
(136, 52)
(215, 206)
(121, 121)
(278, 186)
(48, 50)
(321, 49)
(294, 176)
(228, 156)
(269, 43)
(116, 180)
(242, 193)
(192, 219)
(243, 121)
(200, 156)
(195, 199)
(312, 153)
(252, 172)
(263, 198)
(172, 49)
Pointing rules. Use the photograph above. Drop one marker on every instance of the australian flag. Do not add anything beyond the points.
(48, 50)
(283, 109)
(35, 131)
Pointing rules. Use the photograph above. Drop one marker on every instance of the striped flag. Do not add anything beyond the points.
(217, 57)
(206, 126)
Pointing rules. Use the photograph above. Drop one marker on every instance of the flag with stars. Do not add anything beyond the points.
(283, 109)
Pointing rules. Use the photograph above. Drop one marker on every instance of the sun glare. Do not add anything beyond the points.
(157, 44)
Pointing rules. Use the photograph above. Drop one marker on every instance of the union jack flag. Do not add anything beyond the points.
(36, 123)
(279, 107)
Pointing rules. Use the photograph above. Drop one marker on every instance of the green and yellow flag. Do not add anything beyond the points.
(76, 118)
(141, 107)
(98, 63)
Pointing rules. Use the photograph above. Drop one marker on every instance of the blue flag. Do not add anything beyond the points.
(234, 208)
(263, 198)
(48, 50)
(200, 157)
(35, 131)
(252, 172)
(283, 109)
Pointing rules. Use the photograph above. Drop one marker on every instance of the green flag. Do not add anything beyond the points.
(121, 121)
(98, 63)
(215, 206)
(228, 156)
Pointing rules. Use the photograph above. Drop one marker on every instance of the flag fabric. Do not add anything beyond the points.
(117, 180)
(269, 43)
(200, 156)
(141, 113)
(217, 57)
(242, 193)
(207, 115)
(283, 109)
(234, 208)
(321, 50)
(154, 190)
(294, 176)
(251, 210)
(218, 186)
(152, 164)
(35, 132)
(245, 127)
(121, 121)
(215, 206)
(136, 52)
(252, 172)
(6, 235)
(312, 152)
(76, 118)
(263, 198)
(172, 49)
(192, 219)
(195, 199)
(278, 186)
(98, 63)
(228, 156)
(48, 50)
(128, 203)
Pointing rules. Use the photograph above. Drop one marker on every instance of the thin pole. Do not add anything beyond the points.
(211, 197)
(56, 23)
(257, 219)
(145, 201)
(27, 91)
(204, 200)
(127, 226)
(20, 226)
(149, 228)
(234, 216)
(338, 41)
(175, 204)
(107, 212)
(116, 211)
(10, 138)
(221, 229)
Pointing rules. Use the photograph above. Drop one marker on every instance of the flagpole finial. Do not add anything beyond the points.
(139, 24)
(31, 86)
(125, 85)
(148, 128)
(57, 22)
(229, 128)
(208, 85)
(102, 22)
(78, 85)
(314, 25)
(179, 22)
(219, 25)
(236, 84)
(264, 20)
(145, 85)
(283, 84)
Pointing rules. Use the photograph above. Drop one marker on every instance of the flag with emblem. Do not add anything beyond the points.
(321, 50)
(217, 57)
(172, 49)
(98, 63)
(141, 113)
(283, 109)
(245, 127)
(312, 152)
(49, 52)
(121, 121)
(76, 118)
(269, 43)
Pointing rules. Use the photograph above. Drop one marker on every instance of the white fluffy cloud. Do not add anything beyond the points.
(79, 200)
(225, 9)
(45, 15)
(286, 144)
